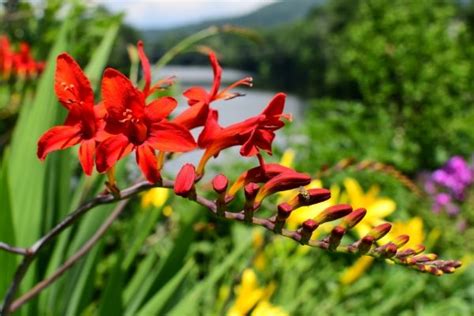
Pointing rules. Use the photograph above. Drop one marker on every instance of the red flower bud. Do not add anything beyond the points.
(310, 197)
(285, 181)
(335, 237)
(284, 211)
(401, 240)
(184, 183)
(220, 183)
(365, 244)
(379, 231)
(354, 218)
(334, 212)
(307, 229)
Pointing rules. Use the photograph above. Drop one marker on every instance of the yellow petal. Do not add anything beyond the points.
(288, 158)
(380, 209)
(355, 192)
(264, 308)
(156, 197)
(354, 272)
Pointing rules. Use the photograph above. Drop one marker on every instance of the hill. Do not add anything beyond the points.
(269, 16)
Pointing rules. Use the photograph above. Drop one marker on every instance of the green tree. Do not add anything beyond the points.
(415, 60)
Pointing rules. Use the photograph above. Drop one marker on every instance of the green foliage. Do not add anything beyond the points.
(414, 59)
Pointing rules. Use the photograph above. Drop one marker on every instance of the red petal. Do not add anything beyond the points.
(216, 68)
(112, 150)
(86, 155)
(184, 182)
(160, 109)
(276, 105)
(194, 116)
(145, 67)
(147, 162)
(211, 130)
(56, 138)
(171, 137)
(260, 138)
(195, 95)
(71, 84)
(120, 95)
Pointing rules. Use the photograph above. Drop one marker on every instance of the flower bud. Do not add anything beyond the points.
(250, 190)
(184, 183)
(282, 182)
(401, 240)
(365, 244)
(335, 237)
(333, 212)
(354, 218)
(220, 183)
(388, 250)
(284, 211)
(381, 230)
(307, 229)
(425, 258)
(309, 197)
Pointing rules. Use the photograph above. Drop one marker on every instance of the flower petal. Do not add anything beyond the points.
(160, 109)
(86, 155)
(171, 137)
(71, 84)
(145, 67)
(147, 162)
(120, 95)
(58, 137)
(112, 150)
(276, 105)
(196, 95)
(211, 130)
(194, 116)
(216, 68)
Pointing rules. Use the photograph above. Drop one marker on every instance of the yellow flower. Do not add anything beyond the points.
(266, 309)
(249, 295)
(377, 207)
(156, 197)
(412, 227)
(354, 272)
(288, 158)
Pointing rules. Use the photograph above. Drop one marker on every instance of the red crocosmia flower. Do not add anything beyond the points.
(138, 126)
(199, 99)
(6, 57)
(254, 134)
(84, 123)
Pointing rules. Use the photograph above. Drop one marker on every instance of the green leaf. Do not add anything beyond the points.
(159, 300)
(187, 306)
(8, 261)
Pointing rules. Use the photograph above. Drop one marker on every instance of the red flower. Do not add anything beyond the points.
(199, 99)
(254, 134)
(6, 57)
(138, 125)
(83, 123)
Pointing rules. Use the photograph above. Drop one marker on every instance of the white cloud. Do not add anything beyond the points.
(166, 13)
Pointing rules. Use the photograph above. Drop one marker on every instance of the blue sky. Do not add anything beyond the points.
(168, 13)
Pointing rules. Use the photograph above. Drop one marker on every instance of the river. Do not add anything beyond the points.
(230, 111)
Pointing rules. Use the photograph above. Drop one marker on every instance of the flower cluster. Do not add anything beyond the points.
(130, 119)
(126, 120)
(449, 185)
(19, 63)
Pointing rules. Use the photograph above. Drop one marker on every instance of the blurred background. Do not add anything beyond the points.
(382, 94)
